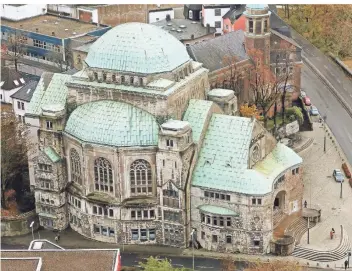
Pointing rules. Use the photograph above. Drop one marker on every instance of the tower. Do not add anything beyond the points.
(257, 33)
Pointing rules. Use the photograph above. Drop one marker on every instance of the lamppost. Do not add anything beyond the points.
(31, 226)
(192, 242)
(325, 117)
(348, 258)
(341, 189)
(308, 231)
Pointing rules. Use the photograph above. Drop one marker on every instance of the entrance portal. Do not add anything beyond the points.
(279, 202)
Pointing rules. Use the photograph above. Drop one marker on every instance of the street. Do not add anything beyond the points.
(338, 119)
(331, 71)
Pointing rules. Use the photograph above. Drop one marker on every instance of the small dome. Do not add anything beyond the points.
(257, 6)
(114, 124)
(137, 48)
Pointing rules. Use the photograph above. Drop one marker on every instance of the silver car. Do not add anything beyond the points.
(314, 111)
(338, 175)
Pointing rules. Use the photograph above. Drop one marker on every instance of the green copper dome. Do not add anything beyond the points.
(138, 48)
(114, 124)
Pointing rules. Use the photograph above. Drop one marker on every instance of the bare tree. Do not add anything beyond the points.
(63, 60)
(16, 46)
(14, 153)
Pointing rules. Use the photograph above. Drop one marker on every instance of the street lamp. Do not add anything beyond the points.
(192, 242)
(325, 117)
(31, 226)
(341, 190)
(348, 258)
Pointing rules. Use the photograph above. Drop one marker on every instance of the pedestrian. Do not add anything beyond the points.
(331, 235)
(333, 231)
(305, 204)
(346, 264)
(56, 239)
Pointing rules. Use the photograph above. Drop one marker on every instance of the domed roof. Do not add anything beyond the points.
(113, 123)
(257, 6)
(138, 48)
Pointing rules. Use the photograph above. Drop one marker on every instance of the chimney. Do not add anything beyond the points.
(53, 34)
(168, 17)
(208, 28)
(36, 30)
(192, 36)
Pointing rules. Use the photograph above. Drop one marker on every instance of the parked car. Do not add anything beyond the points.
(338, 176)
(306, 101)
(314, 111)
(303, 94)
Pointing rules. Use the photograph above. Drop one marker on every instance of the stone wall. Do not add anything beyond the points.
(254, 222)
(19, 225)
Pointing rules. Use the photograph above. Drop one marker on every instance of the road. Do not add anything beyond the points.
(331, 71)
(338, 119)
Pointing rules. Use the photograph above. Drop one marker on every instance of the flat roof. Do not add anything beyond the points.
(46, 24)
(85, 38)
(58, 260)
(15, 264)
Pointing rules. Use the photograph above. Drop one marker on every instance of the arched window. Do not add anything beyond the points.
(141, 178)
(96, 76)
(76, 175)
(104, 76)
(79, 61)
(122, 79)
(131, 80)
(113, 77)
(103, 175)
(141, 81)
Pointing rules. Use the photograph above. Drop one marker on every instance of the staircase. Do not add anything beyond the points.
(279, 230)
(325, 256)
(298, 227)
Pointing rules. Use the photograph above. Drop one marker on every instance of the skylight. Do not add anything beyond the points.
(22, 80)
(16, 82)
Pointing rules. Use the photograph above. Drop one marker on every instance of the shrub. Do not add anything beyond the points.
(346, 170)
(296, 111)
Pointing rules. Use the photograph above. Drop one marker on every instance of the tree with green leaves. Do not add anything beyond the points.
(157, 264)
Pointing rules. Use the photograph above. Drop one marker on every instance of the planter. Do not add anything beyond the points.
(346, 170)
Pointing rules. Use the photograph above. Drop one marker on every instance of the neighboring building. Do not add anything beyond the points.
(80, 47)
(187, 31)
(123, 144)
(43, 255)
(11, 81)
(21, 99)
(279, 53)
(63, 10)
(156, 15)
(45, 38)
(231, 21)
(212, 15)
(193, 12)
(21, 12)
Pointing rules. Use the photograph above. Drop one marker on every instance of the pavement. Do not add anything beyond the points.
(320, 189)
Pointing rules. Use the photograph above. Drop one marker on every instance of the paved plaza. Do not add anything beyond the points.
(321, 190)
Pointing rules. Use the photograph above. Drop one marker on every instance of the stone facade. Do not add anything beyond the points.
(142, 193)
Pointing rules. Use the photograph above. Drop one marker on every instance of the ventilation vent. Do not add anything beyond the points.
(194, 22)
(66, 29)
(179, 30)
(169, 24)
(182, 26)
(173, 29)
(56, 23)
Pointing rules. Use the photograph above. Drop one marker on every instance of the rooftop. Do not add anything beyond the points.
(50, 90)
(25, 93)
(138, 48)
(183, 29)
(11, 79)
(220, 92)
(47, 24)
(197, 114)
(85, 38)
(213, 53)
(217, 210)
(58, 260)
(114, 124)
(223, 159)
(175, 125)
